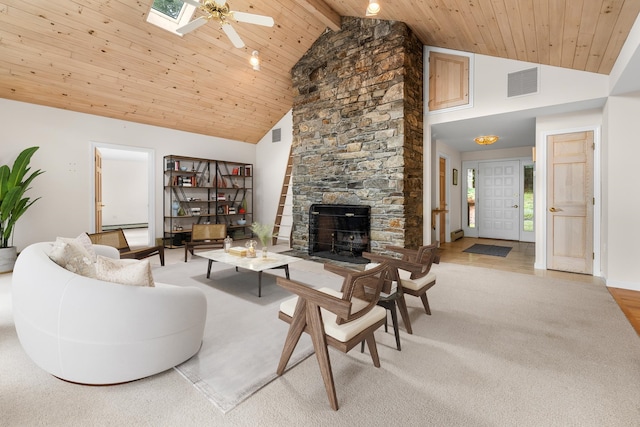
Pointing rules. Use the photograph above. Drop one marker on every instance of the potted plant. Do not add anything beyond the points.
(14, 183)
(264, 233)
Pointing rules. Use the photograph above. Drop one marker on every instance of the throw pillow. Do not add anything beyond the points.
(71, 254)
(124, 271)
(86, 242)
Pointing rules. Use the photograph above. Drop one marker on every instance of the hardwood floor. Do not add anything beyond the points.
(521, 259)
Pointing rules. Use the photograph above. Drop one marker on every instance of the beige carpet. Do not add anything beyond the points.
(501, 349)
(243, 336)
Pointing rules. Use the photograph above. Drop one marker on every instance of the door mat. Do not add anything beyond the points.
(493, 250)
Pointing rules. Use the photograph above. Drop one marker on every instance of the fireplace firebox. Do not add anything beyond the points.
(340, 232)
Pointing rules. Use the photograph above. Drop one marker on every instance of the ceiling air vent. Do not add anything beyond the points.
(522, 82)
(276, 135)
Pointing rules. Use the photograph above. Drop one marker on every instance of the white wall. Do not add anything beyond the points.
(505, 153)
(125, 188)
(271, 159)
(621, 257)
(65, 137)
(490, 89)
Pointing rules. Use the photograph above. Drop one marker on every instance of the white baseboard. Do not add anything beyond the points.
(632, 286)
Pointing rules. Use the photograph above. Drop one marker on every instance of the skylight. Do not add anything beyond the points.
(170, 14)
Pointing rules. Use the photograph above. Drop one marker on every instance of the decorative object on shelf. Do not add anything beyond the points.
(264, 232)
(241, 221)
(251, 248)
(13, 185)
(227, 243)
(174, 208)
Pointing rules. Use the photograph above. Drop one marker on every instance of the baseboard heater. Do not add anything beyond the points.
(455, 235)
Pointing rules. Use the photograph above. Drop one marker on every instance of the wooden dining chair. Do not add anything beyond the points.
(392, 299)
(341, 319)
(205, 236)
(415, 274)
(117, 239)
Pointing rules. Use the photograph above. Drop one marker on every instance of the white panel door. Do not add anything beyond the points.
(499, 195)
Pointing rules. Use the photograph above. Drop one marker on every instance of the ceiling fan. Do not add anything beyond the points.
(218, 10)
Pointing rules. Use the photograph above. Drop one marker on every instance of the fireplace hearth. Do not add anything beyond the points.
(339, 232)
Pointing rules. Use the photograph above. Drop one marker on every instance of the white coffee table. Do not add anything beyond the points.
(259, 264)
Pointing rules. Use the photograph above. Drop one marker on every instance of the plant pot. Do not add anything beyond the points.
(8, 258)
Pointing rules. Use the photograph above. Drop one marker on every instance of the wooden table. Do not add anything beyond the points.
(259, 264)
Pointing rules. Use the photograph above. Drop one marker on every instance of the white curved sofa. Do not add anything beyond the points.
(90, 331)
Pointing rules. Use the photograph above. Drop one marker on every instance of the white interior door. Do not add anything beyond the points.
(498, 200)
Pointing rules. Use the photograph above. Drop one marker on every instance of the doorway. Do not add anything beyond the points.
(498, 208)
(498, 199)
(123, 192)
(570, 202)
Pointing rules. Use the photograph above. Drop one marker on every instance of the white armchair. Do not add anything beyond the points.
(90, 331)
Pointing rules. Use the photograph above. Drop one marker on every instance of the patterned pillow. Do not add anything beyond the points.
(85, 241)
(124, 271)
(71, 254)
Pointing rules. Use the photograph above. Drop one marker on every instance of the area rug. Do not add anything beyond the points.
(243, 336)
(493, 250)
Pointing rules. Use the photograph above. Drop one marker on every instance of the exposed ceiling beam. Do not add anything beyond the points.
(323, 12)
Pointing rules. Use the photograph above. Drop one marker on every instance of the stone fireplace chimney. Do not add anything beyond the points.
(358, 129)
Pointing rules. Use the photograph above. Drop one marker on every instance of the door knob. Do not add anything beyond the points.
(514, 206)
(552, 209)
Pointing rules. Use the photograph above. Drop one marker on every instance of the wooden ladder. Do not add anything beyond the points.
(283, 198)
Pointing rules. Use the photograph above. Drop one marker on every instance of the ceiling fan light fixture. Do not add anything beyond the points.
(373, 8)
(255, 60)
(486, 139)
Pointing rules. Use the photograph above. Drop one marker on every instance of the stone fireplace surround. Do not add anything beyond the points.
(358, 129)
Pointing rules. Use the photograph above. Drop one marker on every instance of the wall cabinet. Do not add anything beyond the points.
(206, 191)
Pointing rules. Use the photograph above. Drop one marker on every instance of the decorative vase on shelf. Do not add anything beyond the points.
(174, 208)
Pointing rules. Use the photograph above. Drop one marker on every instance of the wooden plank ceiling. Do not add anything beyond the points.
(101, 56)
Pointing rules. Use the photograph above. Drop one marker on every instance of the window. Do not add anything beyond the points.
(527, 211)
(170, 14)
(171, 8)
(471, 197)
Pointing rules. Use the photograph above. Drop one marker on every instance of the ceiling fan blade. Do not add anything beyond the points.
(233, 35)
(196, 23)
(192, 3)
(252, 18)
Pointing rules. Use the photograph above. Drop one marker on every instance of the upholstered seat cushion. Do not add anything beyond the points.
(415, 284)
(347, 330)
(394, 284)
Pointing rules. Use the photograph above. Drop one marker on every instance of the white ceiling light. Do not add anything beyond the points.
(373, 8)
(255, 60)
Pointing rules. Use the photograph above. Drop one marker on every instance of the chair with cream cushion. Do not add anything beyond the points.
(415, 275)
(341, 319)
(393, 296)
